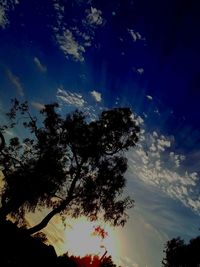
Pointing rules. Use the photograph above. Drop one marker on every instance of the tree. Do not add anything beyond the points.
(178, 254)
(69, 164)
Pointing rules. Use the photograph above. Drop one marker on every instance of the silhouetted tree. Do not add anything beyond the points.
(179, 254)
(69, 164)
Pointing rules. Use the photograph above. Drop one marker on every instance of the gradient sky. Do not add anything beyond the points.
(94, 55)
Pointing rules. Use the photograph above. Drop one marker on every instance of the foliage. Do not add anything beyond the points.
(178, 254)
(88, 260)
(69, 164)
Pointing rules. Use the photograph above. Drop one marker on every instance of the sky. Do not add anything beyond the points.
(95, 55)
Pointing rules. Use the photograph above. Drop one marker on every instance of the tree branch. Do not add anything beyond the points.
(2, 144)
(48, 217)
(60, 208)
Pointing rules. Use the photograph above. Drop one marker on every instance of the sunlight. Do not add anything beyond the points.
(80, 238)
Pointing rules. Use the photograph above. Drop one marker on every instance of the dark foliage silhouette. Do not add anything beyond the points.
(19, 249)
(68, 164)
(86, 261)
(179, 254)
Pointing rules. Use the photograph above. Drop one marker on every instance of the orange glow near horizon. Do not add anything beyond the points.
(80, 239)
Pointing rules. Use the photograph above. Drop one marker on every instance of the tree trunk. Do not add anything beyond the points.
(48, 217)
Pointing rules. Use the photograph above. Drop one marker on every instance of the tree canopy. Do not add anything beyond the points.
(67, 163)
(178, 253)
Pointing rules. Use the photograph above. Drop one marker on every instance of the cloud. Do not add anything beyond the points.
(127, 262)
(135, 35)
(39, 65)
(66, 38)
(93, 17)
(37, 105)
(59, 9)
(154, 162)
(5, 7)
(149, 97)
(15, 82)
(138, 119)
(140, 71)
(3, 18)
(176, 158)
(70, 98)
(70, 46)
(74, 40)
(96, 95)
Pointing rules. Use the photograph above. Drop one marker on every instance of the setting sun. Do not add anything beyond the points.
(81, 238)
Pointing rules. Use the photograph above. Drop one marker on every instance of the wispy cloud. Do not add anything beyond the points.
(140, 71)
(70, 46)
(39, 65)
(5, 7)
(70, 98)
(149, 97)
(15, 81)
(59, 9)
(73, 40)
(37, 105)
(94, 17)
(176, 158)
(3, 18)
(135, 35)
(127, 262)
(96, 95)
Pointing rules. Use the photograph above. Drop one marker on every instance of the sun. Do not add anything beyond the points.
(83, 237)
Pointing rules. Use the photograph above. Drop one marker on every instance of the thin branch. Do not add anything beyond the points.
(58, 197)
(2, 144)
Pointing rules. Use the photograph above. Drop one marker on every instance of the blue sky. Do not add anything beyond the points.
(94, 55)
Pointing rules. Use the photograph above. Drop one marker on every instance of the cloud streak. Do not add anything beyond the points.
(37, 105)
(70, 98)
(15, 81)
(136, 36)
(39, 65)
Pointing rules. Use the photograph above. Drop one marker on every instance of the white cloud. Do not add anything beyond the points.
(59, 9)
(5, 7)
(96, 95)
(39, 65)
(149, 97)
(94, 17)
(3, 18)
(154, 162)
(140, 71)
(74, 40)
(135, 35)
(37, 105)
(70, 46)
(70, 98)
(176, 158)
(15, 82)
